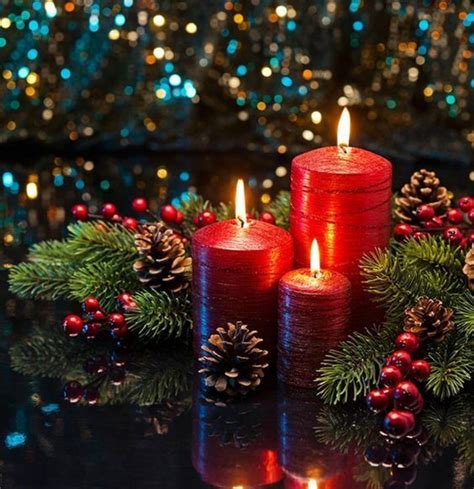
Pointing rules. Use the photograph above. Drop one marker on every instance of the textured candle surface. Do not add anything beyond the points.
(341, 198)
(235, 278)
(313, 317)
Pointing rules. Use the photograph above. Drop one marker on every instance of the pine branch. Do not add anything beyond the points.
(280, 208)
(51, 251)
(464, 314)
(352, 369)
(465, 448)
(101, 241)
(448, 421)
(452, 364)
(161, 316)
(104, 280)
(40, 280)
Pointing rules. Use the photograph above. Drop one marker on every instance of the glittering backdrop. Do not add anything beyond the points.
(255, 74)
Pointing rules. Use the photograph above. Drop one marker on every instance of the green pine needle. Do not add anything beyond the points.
(161, 316)
(280, 208)
(352, 369)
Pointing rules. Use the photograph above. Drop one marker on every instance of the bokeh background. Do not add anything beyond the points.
(107, 100)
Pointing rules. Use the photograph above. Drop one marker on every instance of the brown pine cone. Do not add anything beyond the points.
(163, 263)
(469, 268)
(424, 188)
(232, 363)
(429, 319)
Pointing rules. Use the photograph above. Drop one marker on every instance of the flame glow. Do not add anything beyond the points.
(240, 210)
(312, 484)
(315, 264)
(344, 128)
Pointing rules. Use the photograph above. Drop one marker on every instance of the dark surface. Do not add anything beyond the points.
(69, 446)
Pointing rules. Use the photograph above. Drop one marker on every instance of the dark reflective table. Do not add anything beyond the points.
(279, 437)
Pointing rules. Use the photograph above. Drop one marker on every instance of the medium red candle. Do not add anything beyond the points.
(236, 268)
(340, 195)
(314, 313)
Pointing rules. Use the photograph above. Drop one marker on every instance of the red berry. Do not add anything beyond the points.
(470, 216)
(267, 217)
(377, 401)
(179, 217)
(116, 319)
(108, 210)
(205, 218)
(402, 231)
(73, 324)
(420, 370)
(455, 216)
(424, 212)
(406, 392)
(120, 332)
(73, 392)
(91, 330)
(91, 395)
(126, 302)
(168, 213)
(453, 235)
(466, 203)
(397, 423)
(388, 391)
(420, 235)
(408, 342)
(130, 223)
(80, 212)
(470, 238)
(140, 205)
(90, 304)
(390, 376)
(116, 218)
(401, 359)
(99, 316)
(436, 222)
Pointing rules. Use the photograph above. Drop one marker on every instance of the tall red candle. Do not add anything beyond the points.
(341, 196)
(236, 269)
(314, 313)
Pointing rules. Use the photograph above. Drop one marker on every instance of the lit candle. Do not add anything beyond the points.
(314, 312)
(340, 195)
(236, 268)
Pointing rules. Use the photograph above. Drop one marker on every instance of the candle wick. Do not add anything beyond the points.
(241, 222)
(343, 147)
(317, 274)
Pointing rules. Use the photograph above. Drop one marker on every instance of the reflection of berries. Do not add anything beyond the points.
(117, 375)
(91, 330)
(375, 455)
(394, 484)
(73, 325)
(117, 359)
(91, 395)
(73, 392)
(407, 475)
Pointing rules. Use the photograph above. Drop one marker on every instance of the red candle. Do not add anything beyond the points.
(314, 313)
(341, 196)
(236, 268)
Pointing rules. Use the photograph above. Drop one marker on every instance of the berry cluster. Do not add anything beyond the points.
(456, 225)
(397, 391)
(95, 321)
(112, 367)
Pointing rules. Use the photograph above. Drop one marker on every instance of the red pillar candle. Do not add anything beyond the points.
(314, 314)
(341, 196)
(236, 269)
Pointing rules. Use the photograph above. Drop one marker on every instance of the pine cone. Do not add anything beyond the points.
(469, 268)
(429, 319)
(233, 364)
(424, 188)
(163, 263)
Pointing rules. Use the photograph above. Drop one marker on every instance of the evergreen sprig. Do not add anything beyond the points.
(161, 316)
(280, 208)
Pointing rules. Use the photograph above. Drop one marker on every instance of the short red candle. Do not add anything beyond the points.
(314, 313)
(235, 278)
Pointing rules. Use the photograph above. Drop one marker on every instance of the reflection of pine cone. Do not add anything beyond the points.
(232, 363)
(424, 188)
(469, 268)
(429, 319)
(159, 417)
(163, 263)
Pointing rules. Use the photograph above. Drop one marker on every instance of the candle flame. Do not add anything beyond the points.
(315, 264)
(312, 484)
(240, 210)
(344, 128)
